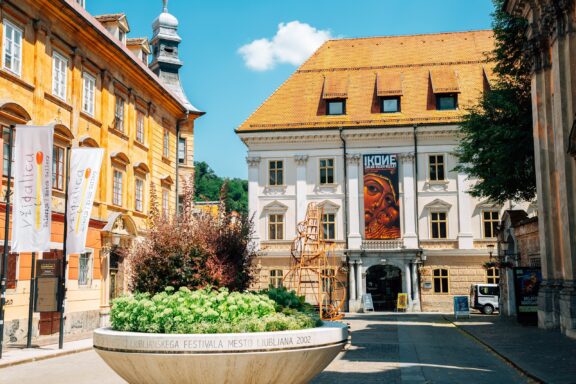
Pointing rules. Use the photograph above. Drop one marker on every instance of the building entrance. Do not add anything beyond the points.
(384, 282)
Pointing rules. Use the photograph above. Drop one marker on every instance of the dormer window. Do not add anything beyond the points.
(390, 104)
(121, 35)
(336, 107)
(446, 101)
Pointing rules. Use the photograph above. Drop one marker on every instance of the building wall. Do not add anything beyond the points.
(50, 27)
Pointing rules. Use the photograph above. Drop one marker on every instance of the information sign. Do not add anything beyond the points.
(527, 282)
(46, 294)
(402, 302)
(461, 306)
(368, 303)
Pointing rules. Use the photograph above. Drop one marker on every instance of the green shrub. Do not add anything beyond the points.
(204, 311)
(287, 302)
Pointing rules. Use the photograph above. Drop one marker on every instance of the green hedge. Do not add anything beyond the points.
(206, 311)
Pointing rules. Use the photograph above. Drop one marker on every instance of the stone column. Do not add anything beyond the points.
(359, 291)
(354, 236)
(465, 236)
(409, 201)
(352, 283)
(408, 284)
(301, 161)
(253, 187)
(415, 289)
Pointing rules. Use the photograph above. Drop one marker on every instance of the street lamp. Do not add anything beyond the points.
(490, 250)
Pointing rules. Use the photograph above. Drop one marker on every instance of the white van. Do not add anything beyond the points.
(485, 297)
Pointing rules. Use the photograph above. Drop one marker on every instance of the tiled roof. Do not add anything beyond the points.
(359, 70)
(109, 17)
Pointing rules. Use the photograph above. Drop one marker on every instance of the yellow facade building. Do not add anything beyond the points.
(62, 66)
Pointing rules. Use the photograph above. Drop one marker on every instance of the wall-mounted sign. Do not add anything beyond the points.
(381, 200)
(48, 268)
(46, 294)
(427, 285)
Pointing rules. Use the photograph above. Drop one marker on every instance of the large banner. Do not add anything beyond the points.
(381, 202)
(32, 189)
(84, 172)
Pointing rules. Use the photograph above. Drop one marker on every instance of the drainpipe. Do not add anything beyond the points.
(345, 185)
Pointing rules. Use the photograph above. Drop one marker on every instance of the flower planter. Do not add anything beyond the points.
(263, 357)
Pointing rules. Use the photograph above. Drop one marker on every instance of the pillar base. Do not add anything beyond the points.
(548, 305)
(567, 303)
(355, 306)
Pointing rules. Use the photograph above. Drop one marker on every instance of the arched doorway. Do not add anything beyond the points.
(384, 282)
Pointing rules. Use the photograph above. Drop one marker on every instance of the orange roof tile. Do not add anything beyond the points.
(297, 104)
(444, 80)
(388, 84)
(335, 86)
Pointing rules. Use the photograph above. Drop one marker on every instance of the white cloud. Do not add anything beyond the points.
(293, 44)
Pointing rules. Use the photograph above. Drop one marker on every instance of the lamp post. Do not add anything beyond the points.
(490, 250)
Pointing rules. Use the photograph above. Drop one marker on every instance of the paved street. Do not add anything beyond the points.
(403, 348)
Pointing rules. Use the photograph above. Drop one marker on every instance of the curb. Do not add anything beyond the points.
(493, 350)
(44, 357)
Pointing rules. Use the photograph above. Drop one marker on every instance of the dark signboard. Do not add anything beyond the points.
(47, 285)
(527, 282)
(368, 303)
(461, 306)
(381, 199)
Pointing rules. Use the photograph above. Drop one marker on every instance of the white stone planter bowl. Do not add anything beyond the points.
(284, 357)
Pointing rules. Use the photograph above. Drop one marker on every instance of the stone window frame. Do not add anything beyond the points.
(436, 165)
(5, 43)
(326, 168)
(275, 278)
(139, 200)
(493, 275)
(440, 278)
(90, 269)
(119, 112)
(140, 126)
(59, 78)
(88, 95)
(115, 193)
(277, 224)
(58, 168)
(182, 150)
(439, 222)
(494, 222)
(325, 222)
(165, 202)
(166, 143)
(276, 171)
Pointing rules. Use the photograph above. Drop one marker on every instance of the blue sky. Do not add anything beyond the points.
(217, 76)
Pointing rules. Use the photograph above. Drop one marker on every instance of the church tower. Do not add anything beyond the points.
(166, 61)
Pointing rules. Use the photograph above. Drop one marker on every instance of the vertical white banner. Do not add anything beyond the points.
(85, 166)
(32, 211)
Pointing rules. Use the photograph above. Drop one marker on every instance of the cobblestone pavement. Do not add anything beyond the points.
(386, 348)
(414, 348)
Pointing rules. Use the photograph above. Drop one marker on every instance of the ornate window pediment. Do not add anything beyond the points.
(275, 206)
(329, 206)
(439, 205)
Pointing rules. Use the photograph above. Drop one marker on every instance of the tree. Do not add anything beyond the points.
(497, 145)
(208, 186)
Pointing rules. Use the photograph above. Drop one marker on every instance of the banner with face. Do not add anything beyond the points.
(32, 210)
(85, 166)
(381, 201)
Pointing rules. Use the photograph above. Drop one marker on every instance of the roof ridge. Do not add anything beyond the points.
(410, 35)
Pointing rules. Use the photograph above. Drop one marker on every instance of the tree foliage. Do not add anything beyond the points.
(192, 250)
(208, 186)
(497, 145)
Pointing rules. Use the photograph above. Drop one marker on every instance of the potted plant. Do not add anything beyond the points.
(190, 320)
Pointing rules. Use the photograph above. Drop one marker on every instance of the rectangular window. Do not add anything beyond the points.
(446, 101)
(439, 223)
(182, 150)
(85, 269)
(166, 144)
(139, 126)
(12, 52)
(119, 114)
(326, 171)
(276, 172)
(58, 168)
(390, 104)
(336, 107)
(276, 227)
(5, 148)
(329, 226)
(493, 276)
(440, 280)
(139, 201)
(89, 87)
(59, 75)
(490, 222)
(436, 168)
(165, 205)
(117, 188)
(276, 276)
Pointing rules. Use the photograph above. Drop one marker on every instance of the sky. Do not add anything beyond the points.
(236, 53)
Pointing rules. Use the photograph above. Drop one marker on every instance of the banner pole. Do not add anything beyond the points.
(31, 302)
(64, 256)
(4, 273)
